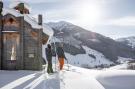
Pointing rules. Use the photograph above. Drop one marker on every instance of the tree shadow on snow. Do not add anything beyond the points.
(17, 79)
(29, 83)
(53, 83)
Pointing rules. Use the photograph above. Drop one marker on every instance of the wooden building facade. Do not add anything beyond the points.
(21, 43)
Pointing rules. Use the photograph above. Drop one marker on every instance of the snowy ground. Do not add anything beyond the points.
(75, 78)
(123, 66)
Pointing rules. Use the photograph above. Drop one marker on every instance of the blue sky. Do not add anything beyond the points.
(112, 18)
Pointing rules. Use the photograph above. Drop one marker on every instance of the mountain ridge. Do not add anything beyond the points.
(130, 41)
(76, 37)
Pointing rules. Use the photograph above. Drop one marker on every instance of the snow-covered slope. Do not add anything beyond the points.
(124, 60)
(61, 25)
(120, 67)
(91, 59)
(75, 78)
(130, 41)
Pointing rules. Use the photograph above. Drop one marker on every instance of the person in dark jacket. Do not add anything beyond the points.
(61, 56)
(49, 58)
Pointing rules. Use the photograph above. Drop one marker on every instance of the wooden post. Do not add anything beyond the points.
(1, 27)
(0, 41)
(40, 20)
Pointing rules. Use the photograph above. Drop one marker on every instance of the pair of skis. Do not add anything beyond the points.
(67, 65)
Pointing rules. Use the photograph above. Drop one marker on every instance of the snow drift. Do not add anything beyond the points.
(117, 79)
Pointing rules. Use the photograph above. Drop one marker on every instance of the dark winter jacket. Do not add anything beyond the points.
(1, 6)
(48, 54)
(60, 52)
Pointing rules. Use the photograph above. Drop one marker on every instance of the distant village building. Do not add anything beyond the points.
(21, 38)
(131, 65)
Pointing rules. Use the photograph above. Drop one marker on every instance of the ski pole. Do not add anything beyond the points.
(67, 63)
(55, 52)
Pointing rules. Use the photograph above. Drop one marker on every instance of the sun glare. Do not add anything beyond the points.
(89, 14)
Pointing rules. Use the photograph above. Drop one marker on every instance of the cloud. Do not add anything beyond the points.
(59, 15)
(123, 21)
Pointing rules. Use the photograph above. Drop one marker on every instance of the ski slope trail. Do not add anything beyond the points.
(78, 79)
(74, 78)
(52, 81)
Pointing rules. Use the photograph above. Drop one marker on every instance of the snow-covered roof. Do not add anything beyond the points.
(47, 29)
(11, 11)
(15, 3)
(29, 19)
(10, 31)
